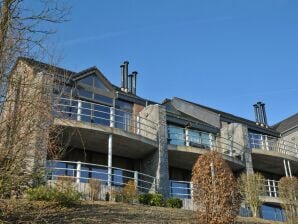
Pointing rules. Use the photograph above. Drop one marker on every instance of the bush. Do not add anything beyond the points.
(63, 193)
(41, 193)
(151, 199)
(130, 192)
(174, 203)
(95, 189)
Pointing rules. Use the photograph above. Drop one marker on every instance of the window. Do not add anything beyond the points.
(200, 139)
(94, 82)
(180, 189)
(271, 212)
(176, 135)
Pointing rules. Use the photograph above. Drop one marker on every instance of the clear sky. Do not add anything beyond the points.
(224, 54)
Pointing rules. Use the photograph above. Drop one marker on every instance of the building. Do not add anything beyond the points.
(112, 134)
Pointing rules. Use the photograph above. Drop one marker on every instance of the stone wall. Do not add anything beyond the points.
(156, 164)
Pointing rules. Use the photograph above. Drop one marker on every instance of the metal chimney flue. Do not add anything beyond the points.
(260, 114)
(130, 83)
(134, 83)
(126, 75)
(122, 77)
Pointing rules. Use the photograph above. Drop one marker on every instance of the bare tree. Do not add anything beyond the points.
(26, 89)
(252, 187)
(288, 193)
(215, 190)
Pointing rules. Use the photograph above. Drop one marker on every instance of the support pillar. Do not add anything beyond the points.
(110, 151)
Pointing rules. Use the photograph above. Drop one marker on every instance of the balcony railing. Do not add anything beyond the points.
(109, 176)
(84, 111)
(184, 189)
(271, 188)
(181, 189)
(201, 140)
(268, 143)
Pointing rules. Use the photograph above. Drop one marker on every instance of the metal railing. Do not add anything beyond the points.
(184, 189)
(264, 142)
(85, 111)
(110, 176)
(271, 188)
(198, 139)
(181, 189)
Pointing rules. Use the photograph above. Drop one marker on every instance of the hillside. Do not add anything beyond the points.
(22, 211)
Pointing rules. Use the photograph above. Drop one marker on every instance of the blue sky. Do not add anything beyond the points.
(223, 54)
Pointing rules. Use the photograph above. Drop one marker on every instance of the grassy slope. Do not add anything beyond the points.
(22, 211)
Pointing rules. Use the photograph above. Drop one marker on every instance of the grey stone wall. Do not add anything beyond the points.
(156, 164)
(238, 133)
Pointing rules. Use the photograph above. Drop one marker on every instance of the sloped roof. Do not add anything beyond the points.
(287, 123)
(232, 118)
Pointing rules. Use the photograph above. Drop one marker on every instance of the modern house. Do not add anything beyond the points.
(112, 134)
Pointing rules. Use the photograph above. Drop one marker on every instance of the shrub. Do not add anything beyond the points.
(95, 189)
(174, 203)
(151, 199)
(63, 193)
(130, 192)
(107, 196)
(41, 193)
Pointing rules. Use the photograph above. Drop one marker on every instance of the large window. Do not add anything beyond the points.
(176, 135)
(180, 189)
(93, 82)
(271, 212)
(200, 139)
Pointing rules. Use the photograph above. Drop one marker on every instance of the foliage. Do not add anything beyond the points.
(23, 130)
(128, 194)
(63, 193)
(288, 193)
(95, 189)
(107, 196)
(215, 190)
(174, 203)
(151, 199)
(251, 188)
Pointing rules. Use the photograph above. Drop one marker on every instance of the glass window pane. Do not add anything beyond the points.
(87, 80)
(84, 93)
(86, 112)
(117, 177)
(84, 174)
(100, 173)
(205, 139)
(123, 105)
(101, 115)
(103, 99)
(180, 190)
(176, 135)
(98, 83)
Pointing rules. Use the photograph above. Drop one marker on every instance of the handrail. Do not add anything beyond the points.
(78, 171)
(268, 143)
(195, 138)
(85, 111)
(271, 188)
(185, 191)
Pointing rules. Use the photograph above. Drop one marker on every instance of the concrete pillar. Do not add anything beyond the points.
(156, 164)
(78, 176)
(110, 148)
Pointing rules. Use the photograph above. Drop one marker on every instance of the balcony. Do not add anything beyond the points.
(98, 114)
(205, 141)
(271, 144)
(108, 176)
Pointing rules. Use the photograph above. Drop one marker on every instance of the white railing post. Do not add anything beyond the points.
(138, 125)
(274, 188)
(290, 170)
(285, 166)
(112, 117)
(187, 140)
(110, 141)
(210, 140)
(191, 190)
(269, 188)
(79, 110)
(136, 179)
(78, 176)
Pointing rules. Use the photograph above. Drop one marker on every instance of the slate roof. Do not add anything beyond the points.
(287, 123)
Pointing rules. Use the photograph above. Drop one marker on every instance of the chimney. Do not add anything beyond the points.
(256, 114)
(260, 114)
(122, 76)
(130, 83)
(126, 75)
(134, 83)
